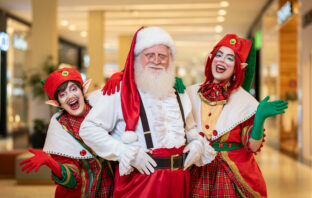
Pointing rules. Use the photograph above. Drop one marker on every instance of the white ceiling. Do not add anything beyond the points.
(193, 24)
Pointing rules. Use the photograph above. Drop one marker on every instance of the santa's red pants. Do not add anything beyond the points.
(162, 183)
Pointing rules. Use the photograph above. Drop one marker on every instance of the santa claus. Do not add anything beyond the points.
(146, 126)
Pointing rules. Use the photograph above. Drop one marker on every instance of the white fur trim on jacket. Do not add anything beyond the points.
(151, 36)
(129, 137)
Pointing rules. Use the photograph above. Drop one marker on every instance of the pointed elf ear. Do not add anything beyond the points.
(243, 65)
(210, 55)
(53, 103)
(86, 86)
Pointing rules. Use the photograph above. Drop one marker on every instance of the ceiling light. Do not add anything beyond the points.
(220, 18)
(84, 34)
(72, 28)
(219, 28)
(222, 12)
(224, 4)
(64, 23)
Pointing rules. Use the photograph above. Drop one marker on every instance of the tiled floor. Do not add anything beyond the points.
(285, 178)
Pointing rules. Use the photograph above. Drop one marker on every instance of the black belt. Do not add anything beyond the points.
(174, 162)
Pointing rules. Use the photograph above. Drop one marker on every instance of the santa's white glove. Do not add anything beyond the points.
(143, 162)
(195, 149)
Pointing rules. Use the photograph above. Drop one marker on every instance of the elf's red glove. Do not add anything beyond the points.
(41, 158)
(112, 83)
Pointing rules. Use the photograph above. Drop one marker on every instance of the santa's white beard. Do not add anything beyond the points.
(157, 83)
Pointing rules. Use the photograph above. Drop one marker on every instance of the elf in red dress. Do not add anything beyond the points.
(232, 121)
(77, 171)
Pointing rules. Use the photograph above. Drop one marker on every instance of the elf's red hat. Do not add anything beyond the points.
(58, 77)
(130, 102)
(240, 46)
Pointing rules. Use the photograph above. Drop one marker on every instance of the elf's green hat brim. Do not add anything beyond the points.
(250, 69)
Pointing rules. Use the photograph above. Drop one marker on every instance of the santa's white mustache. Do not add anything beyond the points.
(153, 66)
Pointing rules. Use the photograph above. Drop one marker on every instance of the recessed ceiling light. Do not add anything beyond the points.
(64, 23)
(220, 18)
(84, 34)
(222, 12)
(72, 28)
(219, 28)
(224, 4)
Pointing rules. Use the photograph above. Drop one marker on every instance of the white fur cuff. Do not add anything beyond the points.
(129, 137)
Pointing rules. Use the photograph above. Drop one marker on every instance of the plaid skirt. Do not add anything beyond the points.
(215, 180)
(105, 189)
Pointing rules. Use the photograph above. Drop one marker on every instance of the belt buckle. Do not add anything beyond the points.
(171, 165)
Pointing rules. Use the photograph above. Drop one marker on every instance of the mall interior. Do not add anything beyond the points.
(94, 37)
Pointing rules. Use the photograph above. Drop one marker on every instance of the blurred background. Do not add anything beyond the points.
(94, 37)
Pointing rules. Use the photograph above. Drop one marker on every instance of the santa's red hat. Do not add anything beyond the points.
(240, 46)
(58, 77)
(130, 103)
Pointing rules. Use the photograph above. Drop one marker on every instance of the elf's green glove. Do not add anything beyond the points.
(179, 85)
(266, 109)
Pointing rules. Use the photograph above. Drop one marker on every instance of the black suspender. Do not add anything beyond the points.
(146, 129)
(181, 107)
(145, 125)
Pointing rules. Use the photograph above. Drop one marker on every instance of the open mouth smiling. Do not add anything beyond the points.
(220, 69)
(74, 104)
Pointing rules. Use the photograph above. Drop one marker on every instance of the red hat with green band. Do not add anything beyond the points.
(58, 77)
(240, 46)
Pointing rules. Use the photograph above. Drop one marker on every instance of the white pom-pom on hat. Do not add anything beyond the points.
(129, 137)
(148, 37)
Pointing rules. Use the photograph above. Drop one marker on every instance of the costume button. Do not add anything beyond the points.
(202, 134)
(83, 152)
(207, 126)
(209, 114)
(215, 133)
(220, 145)
(229, 145)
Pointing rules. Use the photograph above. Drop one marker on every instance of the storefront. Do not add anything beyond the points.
(305, 83)
(278, 69)
(18, 56)
(15, 65)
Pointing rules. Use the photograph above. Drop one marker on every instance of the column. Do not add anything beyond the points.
(96, 49)
(124, 43)
(44, 44)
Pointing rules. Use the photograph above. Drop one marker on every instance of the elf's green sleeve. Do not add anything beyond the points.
(68, 179)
